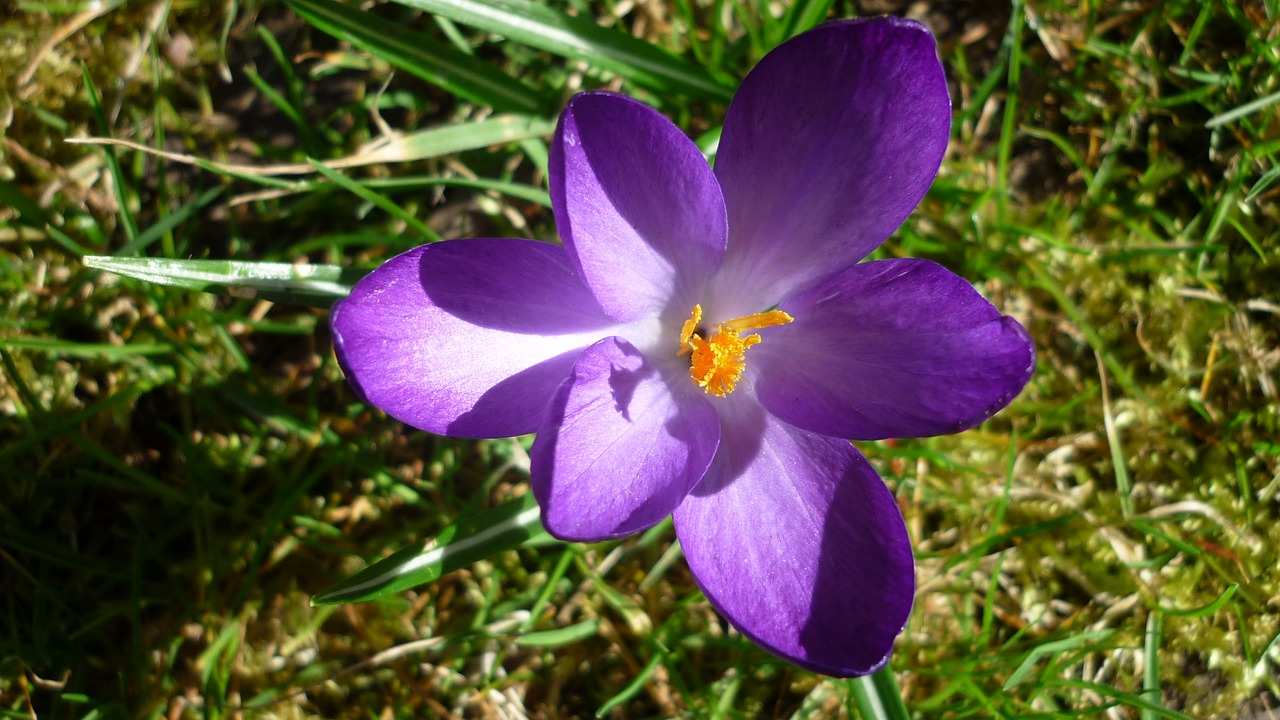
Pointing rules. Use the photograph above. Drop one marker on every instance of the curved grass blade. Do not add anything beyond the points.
(313, 285)
(1212, 607)
(579, 38)
(633, 688)
(468, 541)
(421, 55)
(561, 636)
(1107, 691)
(1053, 648)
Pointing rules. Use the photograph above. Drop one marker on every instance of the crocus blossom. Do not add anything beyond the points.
(705, 343)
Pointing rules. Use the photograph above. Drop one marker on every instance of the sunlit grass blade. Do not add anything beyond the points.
(1246, 109)
(459, 545)
(55, 346)
(421, 145)
(450, 139)
(315, 285)
(517, 190)
(561, 636)
(421, 55)
(1264, 182)
(579, 38)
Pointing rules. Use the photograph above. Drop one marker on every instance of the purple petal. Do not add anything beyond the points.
(892, 348)
(467, 337)
(623, 446)
(797, 542)
(635, 203)
(831, 141)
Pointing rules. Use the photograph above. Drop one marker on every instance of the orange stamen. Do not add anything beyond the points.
(717, 364)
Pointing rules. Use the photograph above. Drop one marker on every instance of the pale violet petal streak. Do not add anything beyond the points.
(636, 204)
(892, 348)
(626, 440)
(794, 539)
(468, 338)
(829, 144)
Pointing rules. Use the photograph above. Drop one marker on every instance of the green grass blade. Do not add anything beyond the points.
(450, 139)
(516, 190)
(1119, 461)
(119, 183)
(561, 636)
(1129, 699)
(145, 238)
(1004, 151)
(1151, 663)
(1264, 182)
(423, 56)
(315, 285)
(803, 15)
(1246, 109)
(468, 541)
(286, 108)
(420, 145)
(293, 86)
(632, 689)
(381, 201)
(1204, 610)
(579, 38)
(1052, 648)
(32, 215)
(57, 346)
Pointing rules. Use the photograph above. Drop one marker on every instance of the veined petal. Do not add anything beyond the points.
(829, 144)
(623, 446)
(892, 348)
(794, 539)
(469, 338)
(635, 203)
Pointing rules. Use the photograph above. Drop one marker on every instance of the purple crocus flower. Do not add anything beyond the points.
(705, 342)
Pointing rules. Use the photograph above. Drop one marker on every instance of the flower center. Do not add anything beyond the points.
(717, 364)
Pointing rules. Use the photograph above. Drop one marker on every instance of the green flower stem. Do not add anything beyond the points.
(877, 696)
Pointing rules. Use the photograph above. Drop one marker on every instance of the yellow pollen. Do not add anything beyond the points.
(717, 364)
